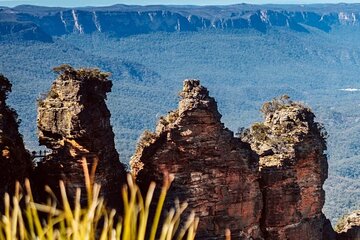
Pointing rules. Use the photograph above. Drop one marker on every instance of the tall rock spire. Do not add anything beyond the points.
(15, 162)
(74, 122)
(293, 168)
(215, 173)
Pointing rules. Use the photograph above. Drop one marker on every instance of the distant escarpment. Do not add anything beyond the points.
(41, 23)
(22, 31)
(293, 168)
(74, 122)
(15, 162)
(215, 173)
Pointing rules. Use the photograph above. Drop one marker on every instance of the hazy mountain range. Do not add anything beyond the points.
(42, 23)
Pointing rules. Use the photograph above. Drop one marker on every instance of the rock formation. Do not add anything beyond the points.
(293, 168)
(74, 122)
(15, 162)
(348, 228)
(265, 185)
(215, 173)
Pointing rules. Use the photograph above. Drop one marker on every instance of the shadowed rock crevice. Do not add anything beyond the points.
(293, 168)
(74, 122)
(215, 173)
(15, 161)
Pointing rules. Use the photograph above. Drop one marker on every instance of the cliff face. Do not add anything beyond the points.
(41, 23)
(349, 227)
(214, 172)
(15, 162)
(293, 168)
(74, 122)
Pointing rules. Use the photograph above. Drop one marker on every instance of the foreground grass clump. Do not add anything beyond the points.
(23, 218)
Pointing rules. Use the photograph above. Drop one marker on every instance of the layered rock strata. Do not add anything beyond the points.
(293, 168)
(74, 122)
(215, 173)
(15, 161)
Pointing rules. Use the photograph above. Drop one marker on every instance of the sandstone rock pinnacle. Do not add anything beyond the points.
(74, 122)
(293, 168)
(15, 162)
(215, 173)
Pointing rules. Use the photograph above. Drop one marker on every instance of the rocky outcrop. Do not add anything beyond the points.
(293, 168)
(265, 185)
(74, 122)
(215, 173)
(15, 162)
(348, 228)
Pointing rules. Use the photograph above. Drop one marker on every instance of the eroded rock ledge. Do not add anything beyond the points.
(15, 162)
(293, 168)
(74, 122)
(215, 173)
(348, 227)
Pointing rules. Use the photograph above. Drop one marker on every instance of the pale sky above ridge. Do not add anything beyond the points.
(78, 3)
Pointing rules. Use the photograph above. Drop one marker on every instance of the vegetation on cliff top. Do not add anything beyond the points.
(285, 121)
(66, 71)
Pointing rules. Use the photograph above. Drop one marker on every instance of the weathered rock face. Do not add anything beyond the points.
(74, 121)
(293, 168)
(349, 227)
(215, 173)
(15, 162)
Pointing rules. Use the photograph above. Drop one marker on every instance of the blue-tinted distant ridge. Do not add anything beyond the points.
(26, 22)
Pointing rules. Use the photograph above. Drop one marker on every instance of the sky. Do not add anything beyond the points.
(77, 3)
